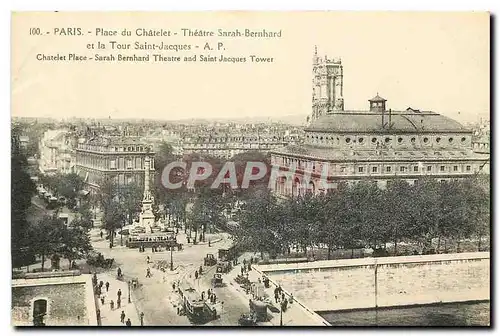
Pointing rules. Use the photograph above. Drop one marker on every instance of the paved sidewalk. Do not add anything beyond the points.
(112, 317)
(295, 314)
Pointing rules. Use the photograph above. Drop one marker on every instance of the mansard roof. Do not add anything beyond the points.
(371, 122)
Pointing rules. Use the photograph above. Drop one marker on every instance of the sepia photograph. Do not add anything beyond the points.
(250, 169)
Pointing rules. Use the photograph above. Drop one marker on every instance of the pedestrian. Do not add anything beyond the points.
(173, 286)
(98, 290)
(209, 292)
(148, 273)
(101, 283)
(128, 323)
(119, 272)
(244, 262)
(102, 300)
(196, 274)
(118, 303)
(202, 295)
(107, 286)
(119, 294)
(142, 318)
(147, 259)
(122, 317)
(112, 305)
(94, 279)
(276, 294)
(101, 234)
(242, 270)
(111, 244)
(152, 249)
(282, 296)
(201, 270)
(209, 243)
(98, 313)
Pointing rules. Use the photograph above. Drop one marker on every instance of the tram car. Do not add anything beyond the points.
(196, 309)
(228, 254)
(193, 305)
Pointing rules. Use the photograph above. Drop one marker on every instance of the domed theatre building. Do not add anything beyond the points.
(377, 144)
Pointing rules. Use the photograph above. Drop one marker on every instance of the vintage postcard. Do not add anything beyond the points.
(250, 169)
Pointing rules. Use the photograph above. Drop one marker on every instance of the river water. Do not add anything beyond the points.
(447, 314)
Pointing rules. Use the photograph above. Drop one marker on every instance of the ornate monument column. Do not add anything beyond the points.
(147, 218)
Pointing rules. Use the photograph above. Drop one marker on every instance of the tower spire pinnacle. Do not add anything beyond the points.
(315, 50)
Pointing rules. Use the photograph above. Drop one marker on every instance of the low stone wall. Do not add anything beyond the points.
(386, 282)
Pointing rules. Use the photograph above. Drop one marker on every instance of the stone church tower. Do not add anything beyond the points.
(328, 85)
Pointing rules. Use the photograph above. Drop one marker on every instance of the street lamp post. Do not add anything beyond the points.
(121, 235)
(171, 258)
(129, 301)
(281, 316)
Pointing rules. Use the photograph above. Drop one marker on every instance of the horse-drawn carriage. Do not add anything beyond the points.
(96, 259)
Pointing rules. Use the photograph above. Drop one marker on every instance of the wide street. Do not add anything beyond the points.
(155, 296)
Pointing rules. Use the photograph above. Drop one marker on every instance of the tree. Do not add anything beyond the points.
(398, 201)
(114, 217)
(258, 225)
(68, 186)
(76, 243)
(130, 196)
(85, 215)
(46, 237)
(22, 190)
(164, 155)
(477, 197)
(423, 216)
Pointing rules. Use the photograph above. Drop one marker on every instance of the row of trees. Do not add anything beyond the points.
(363, 215)
(47, 236)
(66, 185)
(119, 204)
(50, 237)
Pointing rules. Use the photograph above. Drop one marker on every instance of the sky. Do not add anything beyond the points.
(427, 61)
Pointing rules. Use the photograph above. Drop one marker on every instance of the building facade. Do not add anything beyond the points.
(53, 299)
(57, 152)
(377, 144)
(119, 158)
(227, 145)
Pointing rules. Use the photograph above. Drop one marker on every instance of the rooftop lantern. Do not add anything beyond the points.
(377, 104)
